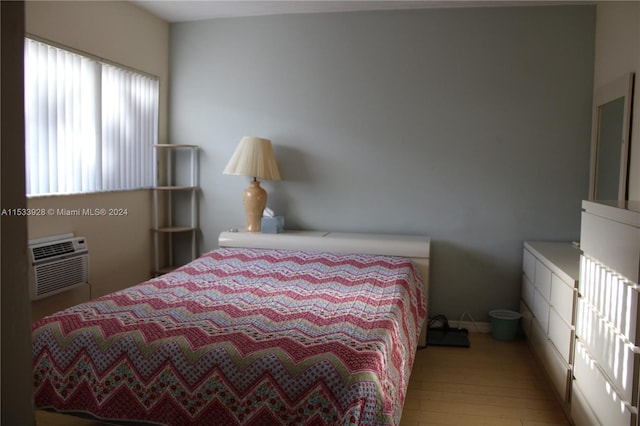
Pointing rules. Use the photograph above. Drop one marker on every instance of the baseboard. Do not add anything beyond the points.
(472, 326)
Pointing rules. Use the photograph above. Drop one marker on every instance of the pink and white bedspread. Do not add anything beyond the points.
(240, 336)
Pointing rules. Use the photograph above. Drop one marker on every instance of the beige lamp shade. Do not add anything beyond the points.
(254, 157)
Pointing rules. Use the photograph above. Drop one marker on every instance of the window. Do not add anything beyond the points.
(90, 125)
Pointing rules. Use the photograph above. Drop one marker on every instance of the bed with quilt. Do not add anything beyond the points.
(241, 335)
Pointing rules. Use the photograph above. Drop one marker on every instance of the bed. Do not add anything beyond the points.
(298, 328)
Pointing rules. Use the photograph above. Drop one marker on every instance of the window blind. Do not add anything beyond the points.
(90, 126)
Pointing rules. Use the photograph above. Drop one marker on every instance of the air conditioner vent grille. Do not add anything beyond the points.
(51, 250)
(61, 274)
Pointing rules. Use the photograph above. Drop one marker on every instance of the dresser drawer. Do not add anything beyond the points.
(609, 407)
(543, 280)
(527, 318)
(541, 311)
(611, 295)
(581, 412)
(607, 348)
(538, 340)
(561, 334)
(559, 373)
(529, 265)
(527, 291)
(557, 369)
(563, 298)
(613, 243)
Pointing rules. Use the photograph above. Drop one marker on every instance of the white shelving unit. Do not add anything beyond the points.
(174, 194)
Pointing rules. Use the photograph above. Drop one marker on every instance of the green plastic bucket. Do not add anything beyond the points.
(504, 324)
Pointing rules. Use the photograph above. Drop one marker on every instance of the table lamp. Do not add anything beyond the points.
(254, 157)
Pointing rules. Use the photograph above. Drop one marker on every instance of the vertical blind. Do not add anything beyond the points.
(90, 126)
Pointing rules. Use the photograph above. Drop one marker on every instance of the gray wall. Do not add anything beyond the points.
(469, 125)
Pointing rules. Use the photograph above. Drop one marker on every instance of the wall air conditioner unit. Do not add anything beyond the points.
(57, 264)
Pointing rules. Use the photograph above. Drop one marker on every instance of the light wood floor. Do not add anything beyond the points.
(491, 383)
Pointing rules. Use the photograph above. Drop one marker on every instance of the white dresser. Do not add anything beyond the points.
(607, 355)
(548, 301)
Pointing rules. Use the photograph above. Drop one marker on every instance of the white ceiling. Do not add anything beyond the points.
(195, 10)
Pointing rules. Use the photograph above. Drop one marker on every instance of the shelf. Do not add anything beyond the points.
(175, 188)
(175, 145)
(174, 229)
(175, 206)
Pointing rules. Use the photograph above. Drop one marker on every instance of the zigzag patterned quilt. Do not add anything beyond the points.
(241, 336)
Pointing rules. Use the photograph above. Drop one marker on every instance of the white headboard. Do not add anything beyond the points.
(414, 247)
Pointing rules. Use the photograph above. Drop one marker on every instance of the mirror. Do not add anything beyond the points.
(610, 140)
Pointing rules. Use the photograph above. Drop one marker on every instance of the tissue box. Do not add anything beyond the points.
(272, 225)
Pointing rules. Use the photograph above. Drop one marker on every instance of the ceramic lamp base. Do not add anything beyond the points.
(255, 201)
